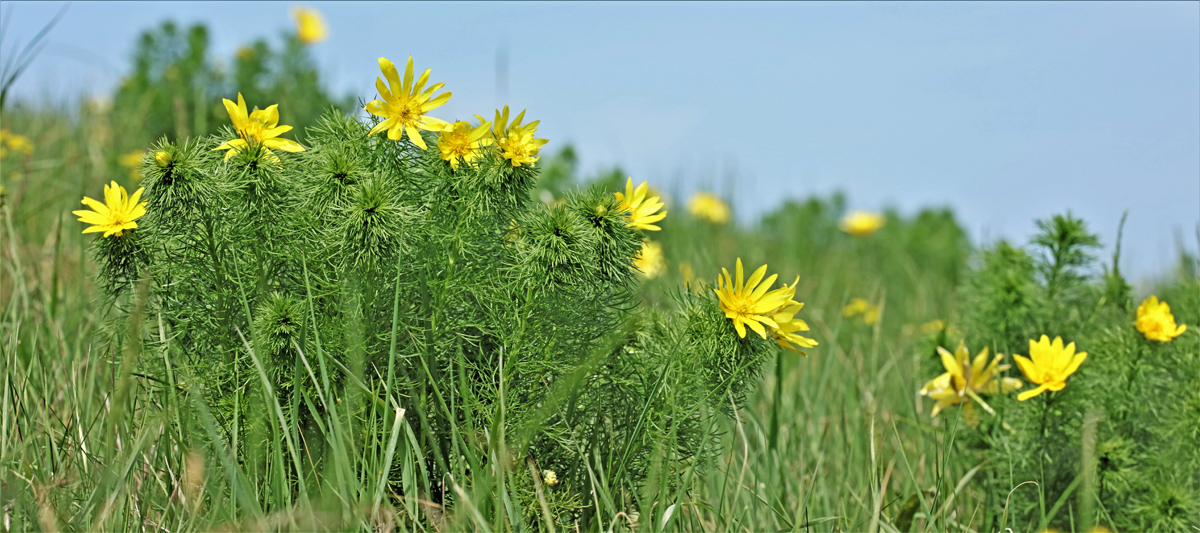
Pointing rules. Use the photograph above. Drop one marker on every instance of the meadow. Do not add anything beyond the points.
(383, 321)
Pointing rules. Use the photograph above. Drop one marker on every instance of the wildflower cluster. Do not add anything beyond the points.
(1113, 414)
(361, 270)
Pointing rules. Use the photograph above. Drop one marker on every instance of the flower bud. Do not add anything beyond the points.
(162, 158)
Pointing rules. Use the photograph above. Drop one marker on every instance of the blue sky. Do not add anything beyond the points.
(1006, 112)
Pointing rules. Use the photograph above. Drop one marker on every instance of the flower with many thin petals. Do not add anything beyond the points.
(520, 147)
(964, 376)
(310, 26)
(132, 161)
(405, 104)
(708, 206)
(642, 210)
(1155, 321)
(787, 324)
(515, 140)
(256, 128)
(1049, 365)
(116, 214)
(12, 142)
(650, 261)
(859, 306)
(861, 223)
(462, 143)
(750, 303)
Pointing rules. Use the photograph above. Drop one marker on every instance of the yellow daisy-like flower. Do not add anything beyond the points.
(132, 160)
(12, 142)
(1155, 321)
(650, 260)
(501, 126)
(515, 140)
(642, 210)
(310, 26)
(859, 306)
(116, 214)
(404, 105)
(709, 207)
(256, 128)
(861, 223)
(462, 143)
(1049, 365)
(787, 324)
(964, 378)
(749, 303)
(520, 147)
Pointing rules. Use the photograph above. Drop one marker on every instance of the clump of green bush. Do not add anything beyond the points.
(387, 314)
(1117, 446)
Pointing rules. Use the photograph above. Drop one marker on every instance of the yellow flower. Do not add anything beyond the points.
(1155, 321)
(310, 27)
(18, 144)
(515, 140)
(861, 223)
(641, 209)
(257, 128)
(707, 206)
(933, 326)
(1049, 365)
(132, 160)
(787, 324)
(857, 306)
(404, 106)
(519, 147)
(750, 304)
(501, 126)
(650, 261)
(550, 478)
(964, 378)
(116, 214)
(461, 142)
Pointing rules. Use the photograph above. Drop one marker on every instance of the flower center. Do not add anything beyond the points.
(406, 113)
(742, 304)
(253, 132)
(513, 145)
(459, 144)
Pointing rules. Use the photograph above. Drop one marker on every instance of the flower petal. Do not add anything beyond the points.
(286, 145)
(1031, 393)
(414, 135)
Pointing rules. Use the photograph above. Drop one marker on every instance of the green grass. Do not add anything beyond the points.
(837, 441)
